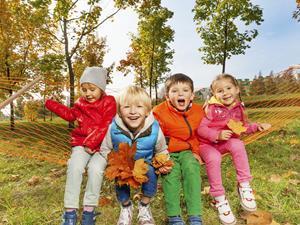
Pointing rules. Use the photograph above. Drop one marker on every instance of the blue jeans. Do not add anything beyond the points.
(148, 189)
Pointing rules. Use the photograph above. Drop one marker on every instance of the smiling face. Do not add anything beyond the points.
(134, 116)
(180, 95)
(226, 91)
(90, 92)
(134, 105)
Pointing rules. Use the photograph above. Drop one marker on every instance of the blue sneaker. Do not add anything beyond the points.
(175, 220)
(89, 218)
(195, 220)
(69, 218)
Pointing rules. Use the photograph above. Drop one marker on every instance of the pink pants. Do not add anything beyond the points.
(212, 156)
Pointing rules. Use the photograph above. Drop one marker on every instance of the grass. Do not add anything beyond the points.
(274, 161)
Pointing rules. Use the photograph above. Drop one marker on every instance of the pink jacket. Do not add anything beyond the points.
(216, 119)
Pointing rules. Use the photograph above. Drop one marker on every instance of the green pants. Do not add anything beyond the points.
(186, 173)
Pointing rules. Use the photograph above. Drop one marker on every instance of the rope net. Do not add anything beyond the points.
(36, 133)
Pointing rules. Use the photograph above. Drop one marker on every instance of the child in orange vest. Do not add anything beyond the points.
(179, 119)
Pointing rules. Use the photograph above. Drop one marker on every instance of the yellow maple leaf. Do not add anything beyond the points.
(139, 171)
(161, 160)
(236, 126)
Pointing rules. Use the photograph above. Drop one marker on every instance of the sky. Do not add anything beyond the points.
(275, 48)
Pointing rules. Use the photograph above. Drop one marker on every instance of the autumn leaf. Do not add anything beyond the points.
(275, 178)
(205, 190)
(139, 171)
(34, 180)
(161, 160)
(236, 126)
(104, 201)
(258, 218)
(124, 169)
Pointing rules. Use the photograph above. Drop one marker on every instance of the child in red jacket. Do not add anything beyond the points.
(93, 111)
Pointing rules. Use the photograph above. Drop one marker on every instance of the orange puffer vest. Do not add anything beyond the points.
(179, 128)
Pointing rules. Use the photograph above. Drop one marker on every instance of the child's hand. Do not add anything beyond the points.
(264, 126)
(88, 150)
(165, 169)
(224, 135)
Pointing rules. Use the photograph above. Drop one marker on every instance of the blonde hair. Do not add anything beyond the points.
(134, 95)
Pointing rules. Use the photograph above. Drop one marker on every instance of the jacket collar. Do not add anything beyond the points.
(143, 132)
(214, 101)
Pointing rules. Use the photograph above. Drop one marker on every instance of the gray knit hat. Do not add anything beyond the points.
(94, 75)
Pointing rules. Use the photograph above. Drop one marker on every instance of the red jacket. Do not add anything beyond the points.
(179, 127)
(93, 119)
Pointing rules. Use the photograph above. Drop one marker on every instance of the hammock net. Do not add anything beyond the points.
(36, 133)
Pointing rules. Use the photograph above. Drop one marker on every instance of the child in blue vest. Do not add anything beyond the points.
(135, 123)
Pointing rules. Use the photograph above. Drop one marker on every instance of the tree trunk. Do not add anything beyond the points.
(70, 68)
(225, 46)
(12, 113)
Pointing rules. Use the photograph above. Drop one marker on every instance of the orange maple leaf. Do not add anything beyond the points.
(161, 160)
(124, 169)
(236, 126)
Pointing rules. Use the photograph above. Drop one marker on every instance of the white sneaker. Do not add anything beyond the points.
(145, 215)
(247, 198)
(225, 214)
(125, 217)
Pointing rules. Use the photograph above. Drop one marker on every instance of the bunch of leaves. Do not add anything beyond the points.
(124, 169)
(161, 160)
(236, 126)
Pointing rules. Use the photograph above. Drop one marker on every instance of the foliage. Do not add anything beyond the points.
(150, 53)
(31, 110)
(22, 40)
(217, 24)
(270, 85)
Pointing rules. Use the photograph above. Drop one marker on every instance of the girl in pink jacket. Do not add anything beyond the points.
(217, 138)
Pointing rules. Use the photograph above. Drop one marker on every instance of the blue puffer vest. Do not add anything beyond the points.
(146, 141)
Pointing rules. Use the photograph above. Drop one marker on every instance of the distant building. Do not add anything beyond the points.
(202, 93)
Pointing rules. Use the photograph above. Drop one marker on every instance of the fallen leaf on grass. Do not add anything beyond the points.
(294, 141)
(289, 173)
(104, 201)
(274, 223)
(205, 190)
(55, 173)
(275, 178)
(294, 181)
(137, 197)
(258, 218)
(14, 178)
(294, 157)
(34, 180)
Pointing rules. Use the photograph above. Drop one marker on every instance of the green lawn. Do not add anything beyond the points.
(274, 160)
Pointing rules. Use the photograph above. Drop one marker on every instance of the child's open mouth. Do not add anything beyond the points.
(181, 102)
